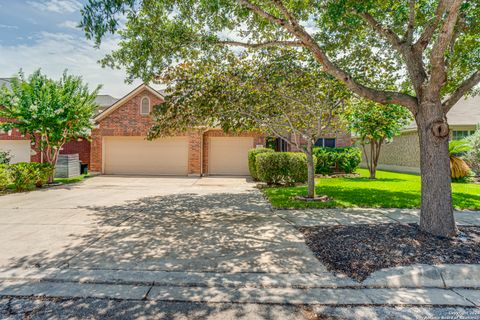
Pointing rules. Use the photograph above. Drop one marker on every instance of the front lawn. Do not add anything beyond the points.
(390, 190)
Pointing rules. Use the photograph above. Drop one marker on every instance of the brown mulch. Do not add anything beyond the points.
(317, 198)
(359, 250)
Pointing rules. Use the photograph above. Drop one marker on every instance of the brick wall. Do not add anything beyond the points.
(80, 146)
(124, 121)
(258, 139)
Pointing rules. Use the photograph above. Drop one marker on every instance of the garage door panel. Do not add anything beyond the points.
(135, 155)
(229, 155)
(18, 149)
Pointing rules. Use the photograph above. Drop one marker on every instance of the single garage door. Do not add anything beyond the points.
(228, 155)
(135, 155)
(19, 149)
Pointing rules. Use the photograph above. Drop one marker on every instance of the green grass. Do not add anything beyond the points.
(390, 190)
(71, 180)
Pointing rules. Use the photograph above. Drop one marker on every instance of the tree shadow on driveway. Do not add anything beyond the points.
(216, 232)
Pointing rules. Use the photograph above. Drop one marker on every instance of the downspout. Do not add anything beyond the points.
(201, 151)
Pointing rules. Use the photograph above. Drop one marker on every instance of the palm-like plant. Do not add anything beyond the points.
(458, 167)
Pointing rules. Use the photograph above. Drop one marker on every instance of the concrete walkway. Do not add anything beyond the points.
(210, 240)
(315, 217)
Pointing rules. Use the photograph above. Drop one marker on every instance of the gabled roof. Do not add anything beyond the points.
(104, 101)
(465, 112)
(126, 98)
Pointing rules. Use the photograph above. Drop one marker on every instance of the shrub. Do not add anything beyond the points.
(4, 177)
(5, 157)
(346, 159)
(252, 155)
(282, 167)
(458, 167)
(349, 159)
(473, 155)
(44, 172)
(23, 175)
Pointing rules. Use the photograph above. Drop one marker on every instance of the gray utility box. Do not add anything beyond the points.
(68, 165)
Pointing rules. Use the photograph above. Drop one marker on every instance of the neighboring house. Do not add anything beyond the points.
(118, 144)
(22, 149)
(402, 154)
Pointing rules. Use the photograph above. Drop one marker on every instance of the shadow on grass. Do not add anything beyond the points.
(345, 197)
(366, 179)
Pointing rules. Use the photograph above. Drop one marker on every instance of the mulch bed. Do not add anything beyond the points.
(359, 250)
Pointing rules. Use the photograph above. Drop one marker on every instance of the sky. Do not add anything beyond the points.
(43, 34)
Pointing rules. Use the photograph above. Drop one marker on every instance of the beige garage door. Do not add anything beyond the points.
(135, 155)
(228, 155)
(19, 149)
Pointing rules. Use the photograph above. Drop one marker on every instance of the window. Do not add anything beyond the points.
(277, 144)
(145, 106)
(461, 134)
(326, 142)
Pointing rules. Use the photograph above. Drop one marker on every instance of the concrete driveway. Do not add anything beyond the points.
(150, 223)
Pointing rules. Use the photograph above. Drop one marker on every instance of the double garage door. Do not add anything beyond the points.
(135, 155)
(169, 156)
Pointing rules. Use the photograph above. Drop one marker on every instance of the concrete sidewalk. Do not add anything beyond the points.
(316, 217)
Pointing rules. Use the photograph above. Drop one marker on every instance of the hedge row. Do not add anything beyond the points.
(24, 176)
(345, 159)
(279, 167)
(252, 156)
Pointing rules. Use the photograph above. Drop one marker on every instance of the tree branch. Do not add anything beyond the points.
(263, 13)
(437, 57)
(432, 25)
(385, 32)
(380, 96)
(408, 37)
(466, 86)
(262, 44)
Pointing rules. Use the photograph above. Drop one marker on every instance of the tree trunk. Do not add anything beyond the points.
(311, 170)
(436, 215)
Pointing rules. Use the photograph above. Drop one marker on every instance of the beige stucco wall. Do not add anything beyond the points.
(403, 153)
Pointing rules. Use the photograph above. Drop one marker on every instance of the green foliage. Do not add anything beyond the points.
(373, 121)
(4, 177)
(44, 172)
(26, 176)
(472, 157)
(51, 112)
(282, 167)
(458, 147)
(157, 33)
(5, 157)
(23, 175)
(346, 159)
(252, 155)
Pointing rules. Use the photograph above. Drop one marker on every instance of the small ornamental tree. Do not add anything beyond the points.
(429, 48)
(374, 124)
(50, 112)
(275, 92)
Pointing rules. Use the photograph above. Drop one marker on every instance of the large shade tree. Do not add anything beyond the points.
(51, 112)
(278, 93)
(429, 46)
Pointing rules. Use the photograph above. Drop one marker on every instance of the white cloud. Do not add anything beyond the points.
(68, 24)
(55, 52)
(6, 26)
(58, 6)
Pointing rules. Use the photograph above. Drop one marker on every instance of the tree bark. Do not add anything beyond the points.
(436, 215)
(311, 170)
